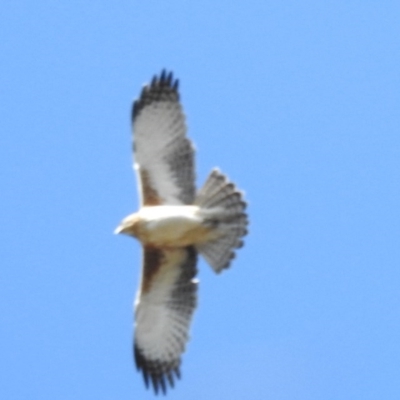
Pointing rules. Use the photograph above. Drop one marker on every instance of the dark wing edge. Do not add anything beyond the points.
(163, 92)
(161, 88)
(158, 373)
(155, 374)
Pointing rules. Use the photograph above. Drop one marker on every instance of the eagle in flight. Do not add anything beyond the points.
(174, 223)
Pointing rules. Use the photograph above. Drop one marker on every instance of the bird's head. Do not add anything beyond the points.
(129, 225)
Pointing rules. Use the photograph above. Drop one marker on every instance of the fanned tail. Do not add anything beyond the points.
(225, 204)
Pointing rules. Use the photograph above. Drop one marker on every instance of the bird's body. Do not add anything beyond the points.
(174, 223)
(170, 226)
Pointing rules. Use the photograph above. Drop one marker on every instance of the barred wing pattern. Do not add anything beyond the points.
(164, 156)
(172, 237)
(164, 162)
(167, 299)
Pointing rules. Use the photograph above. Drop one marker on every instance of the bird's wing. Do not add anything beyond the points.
(164, 308)
(164, 156)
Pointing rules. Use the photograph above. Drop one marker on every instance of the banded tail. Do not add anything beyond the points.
(227, 207)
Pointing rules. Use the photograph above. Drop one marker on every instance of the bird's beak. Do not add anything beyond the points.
(127, 225)
(119, 229)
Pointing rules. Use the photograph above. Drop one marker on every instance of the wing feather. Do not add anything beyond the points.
(164, 156)
(164, 309)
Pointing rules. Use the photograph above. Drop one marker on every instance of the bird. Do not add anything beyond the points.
(174, 224)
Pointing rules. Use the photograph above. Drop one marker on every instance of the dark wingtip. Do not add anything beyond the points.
(162, 75)
(156, 374)
(161, 87)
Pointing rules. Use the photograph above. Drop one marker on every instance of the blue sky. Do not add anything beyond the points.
(298, 102)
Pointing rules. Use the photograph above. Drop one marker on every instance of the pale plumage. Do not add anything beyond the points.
(173, 225)
(164, 157)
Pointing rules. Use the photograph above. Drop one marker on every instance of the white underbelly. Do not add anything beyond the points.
(173, 226)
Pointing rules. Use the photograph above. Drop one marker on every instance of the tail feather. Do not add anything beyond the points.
(225, 203)
(211, 188)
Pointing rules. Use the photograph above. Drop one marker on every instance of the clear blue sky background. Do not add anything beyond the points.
(297, 101)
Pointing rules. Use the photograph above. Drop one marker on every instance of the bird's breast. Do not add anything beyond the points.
(172, 226)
